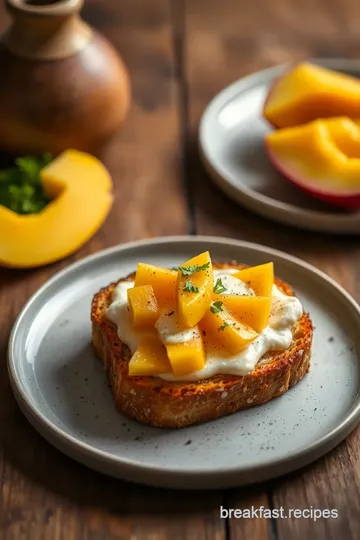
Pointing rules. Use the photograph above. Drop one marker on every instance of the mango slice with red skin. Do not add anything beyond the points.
(80, 188)
(309, 92)
(322, 158)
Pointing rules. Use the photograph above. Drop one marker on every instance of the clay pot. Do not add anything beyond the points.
(62, 84)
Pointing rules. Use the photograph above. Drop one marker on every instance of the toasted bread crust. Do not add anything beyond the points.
(161, 403)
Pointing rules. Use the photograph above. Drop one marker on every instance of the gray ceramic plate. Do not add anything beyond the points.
(231, 139)
(60, 385)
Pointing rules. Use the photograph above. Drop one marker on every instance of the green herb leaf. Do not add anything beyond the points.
(193, 269)
(189, 287)
(219, 287)
(21, 189)
(216, 307)
(221, 328)
(175, 268)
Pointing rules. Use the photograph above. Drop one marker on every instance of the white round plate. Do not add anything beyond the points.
(231, 139)
(60, 385)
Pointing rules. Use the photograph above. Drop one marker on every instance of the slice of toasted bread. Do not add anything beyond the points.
(154, 401)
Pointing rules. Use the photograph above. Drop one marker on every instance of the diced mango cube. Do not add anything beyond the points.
(143, 306)
(194, 289)
(162, 280)
(149, 359)
(259, 278)
(222, 329)
(251, 310)
(188, 356)
(184, 345)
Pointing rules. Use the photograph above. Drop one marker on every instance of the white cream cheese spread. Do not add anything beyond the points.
(285, 312)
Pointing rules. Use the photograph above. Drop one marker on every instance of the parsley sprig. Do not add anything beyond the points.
(193, 269)
(21, 189)
(216, 307)
(189, 287)
(221, 328)
(219, 287)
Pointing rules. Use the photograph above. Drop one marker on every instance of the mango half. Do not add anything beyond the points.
(80, 188)
(322, 158)
(309, 92)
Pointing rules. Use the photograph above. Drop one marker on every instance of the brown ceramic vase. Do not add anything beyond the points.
(62, 84)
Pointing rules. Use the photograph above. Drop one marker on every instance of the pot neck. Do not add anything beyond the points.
(46, 29)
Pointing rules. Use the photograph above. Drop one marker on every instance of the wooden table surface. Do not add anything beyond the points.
(180, 53)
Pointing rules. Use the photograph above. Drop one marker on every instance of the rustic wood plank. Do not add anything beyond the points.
(43, 494)
(251, 524)
(330, 484)
(223, 45)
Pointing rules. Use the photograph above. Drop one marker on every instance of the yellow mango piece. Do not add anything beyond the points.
(143, 306)
(259, 278)
(161, 279)
(309, 92)
(194, 289)
(184, 345)
(149, 359)
(322, 157)
(222, 330)
(328, 143)
(80, 188)
(188, 356)
(253, 311)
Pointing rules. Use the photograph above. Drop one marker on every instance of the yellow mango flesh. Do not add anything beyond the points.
(192, 306)
(200, 321)
(149, 359)
(143, 306)
(184, 346)
(309, 92)
(222, 330)
(253, 311)
(259, 278)
(80, 187)
(161, 279)
(186, 357)
(323, 153)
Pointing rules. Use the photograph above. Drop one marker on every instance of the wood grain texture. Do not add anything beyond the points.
(223, 45)
(180, 53)
(255, 528)
(43, 494)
